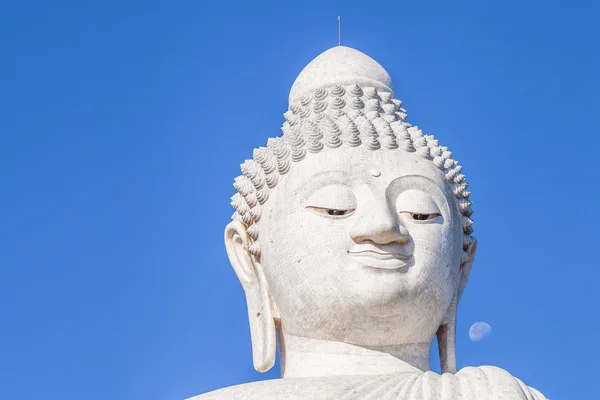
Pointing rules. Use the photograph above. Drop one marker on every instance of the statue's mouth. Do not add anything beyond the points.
(378, 258)
(380, 255)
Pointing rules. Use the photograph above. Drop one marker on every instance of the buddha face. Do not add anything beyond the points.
(362, 246)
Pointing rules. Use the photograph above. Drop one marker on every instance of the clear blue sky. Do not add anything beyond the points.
(123, 124)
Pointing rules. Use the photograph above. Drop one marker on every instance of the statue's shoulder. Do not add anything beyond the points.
(280, 389)
(469, 383)
(494, 381)
(317, 388)
(254, 390)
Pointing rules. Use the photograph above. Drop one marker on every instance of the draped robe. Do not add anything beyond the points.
(470, 383)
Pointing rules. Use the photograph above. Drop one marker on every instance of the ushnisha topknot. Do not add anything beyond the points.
(328, 117)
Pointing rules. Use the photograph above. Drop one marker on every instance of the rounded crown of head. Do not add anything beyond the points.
(341, 66)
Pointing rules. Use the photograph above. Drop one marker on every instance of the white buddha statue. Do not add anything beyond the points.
(352, 241)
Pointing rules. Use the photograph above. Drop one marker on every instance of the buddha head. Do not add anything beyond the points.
(353, 226)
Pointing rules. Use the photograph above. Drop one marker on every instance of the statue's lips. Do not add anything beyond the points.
(380, 259)
(380, 255)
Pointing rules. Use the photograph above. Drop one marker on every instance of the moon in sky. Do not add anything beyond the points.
(479, 331)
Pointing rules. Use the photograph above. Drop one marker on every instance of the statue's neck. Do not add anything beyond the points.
(305, 357)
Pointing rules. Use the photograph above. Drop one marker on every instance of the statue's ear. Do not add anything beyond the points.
(446, 334)
(260, 308)
(465, 265)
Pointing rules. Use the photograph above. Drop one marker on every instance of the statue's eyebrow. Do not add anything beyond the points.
(333, 175)
(417, 182)
(420, 182)
(321, 179)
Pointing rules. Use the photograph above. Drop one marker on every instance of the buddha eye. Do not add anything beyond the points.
(331, 212)
(420, 217)
(333, 201)
(418, 207)
(337, 212)
(423, 217)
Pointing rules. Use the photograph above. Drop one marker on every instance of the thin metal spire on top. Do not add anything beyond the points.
(339, 31)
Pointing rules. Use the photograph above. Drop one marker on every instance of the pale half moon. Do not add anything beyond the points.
(479, 331)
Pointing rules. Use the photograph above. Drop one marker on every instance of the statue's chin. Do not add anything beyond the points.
(390, 294)
(383, 323)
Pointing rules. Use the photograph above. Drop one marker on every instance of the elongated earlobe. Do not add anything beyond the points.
(466, 264)
(259, 302)
(446, 334)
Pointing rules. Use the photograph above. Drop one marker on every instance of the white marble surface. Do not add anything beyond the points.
(352, 240)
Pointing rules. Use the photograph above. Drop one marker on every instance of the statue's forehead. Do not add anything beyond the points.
(357, 165)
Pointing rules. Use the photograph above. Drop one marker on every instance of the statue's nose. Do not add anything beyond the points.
(379, 225)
